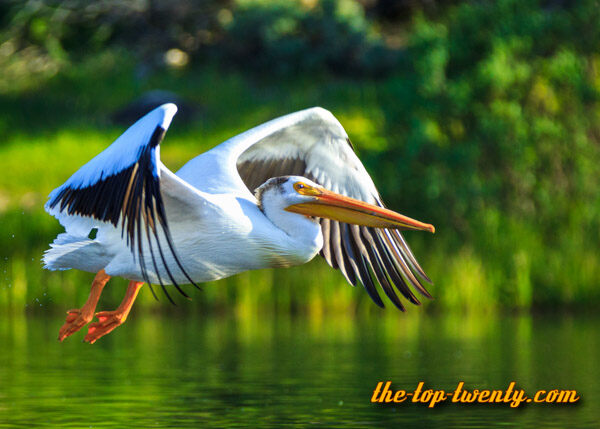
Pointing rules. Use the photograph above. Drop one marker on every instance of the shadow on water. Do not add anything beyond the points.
(187, 371)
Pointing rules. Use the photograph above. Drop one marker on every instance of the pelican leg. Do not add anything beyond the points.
(109, 320)
(79, 317)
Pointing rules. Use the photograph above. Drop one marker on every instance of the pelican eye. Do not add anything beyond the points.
(298, 186)
(304, 189)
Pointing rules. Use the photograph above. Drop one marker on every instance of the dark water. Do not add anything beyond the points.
(192, 371)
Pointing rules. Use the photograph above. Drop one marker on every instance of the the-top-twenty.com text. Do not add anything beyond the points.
(384, 393)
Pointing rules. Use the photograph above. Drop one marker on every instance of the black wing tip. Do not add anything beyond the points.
(157, 136)
(425, 293)
(401, 308)
(378, 302)
(374, 259)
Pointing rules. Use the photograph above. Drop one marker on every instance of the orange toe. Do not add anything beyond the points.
(107, 322)
(75, 320)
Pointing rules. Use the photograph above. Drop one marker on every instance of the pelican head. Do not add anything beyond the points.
(300, 195)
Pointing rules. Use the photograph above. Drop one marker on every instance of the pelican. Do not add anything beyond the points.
(273, 196)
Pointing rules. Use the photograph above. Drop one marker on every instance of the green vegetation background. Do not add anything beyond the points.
(480, 117)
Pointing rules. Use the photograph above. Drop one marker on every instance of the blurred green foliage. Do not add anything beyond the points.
(274, 36)
(283, 37)
(480, 117)
(498, 113)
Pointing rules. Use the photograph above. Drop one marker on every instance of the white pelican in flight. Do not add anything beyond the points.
(273, 196)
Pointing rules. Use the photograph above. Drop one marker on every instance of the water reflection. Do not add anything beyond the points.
(189, 370)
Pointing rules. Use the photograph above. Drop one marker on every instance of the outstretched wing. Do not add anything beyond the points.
(312, 143)
(122, 186)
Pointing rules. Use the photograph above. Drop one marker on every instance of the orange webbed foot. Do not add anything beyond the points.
(107, 322)
(75, 320)
(79, 317)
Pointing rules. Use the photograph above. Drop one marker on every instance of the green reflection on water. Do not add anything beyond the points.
(187, 371)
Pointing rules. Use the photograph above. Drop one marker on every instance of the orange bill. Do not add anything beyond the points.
(328, 204)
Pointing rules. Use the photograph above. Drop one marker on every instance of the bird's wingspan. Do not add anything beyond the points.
(123, 186)
(312, 143)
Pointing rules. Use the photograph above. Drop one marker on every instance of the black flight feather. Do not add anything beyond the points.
(131, 196)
